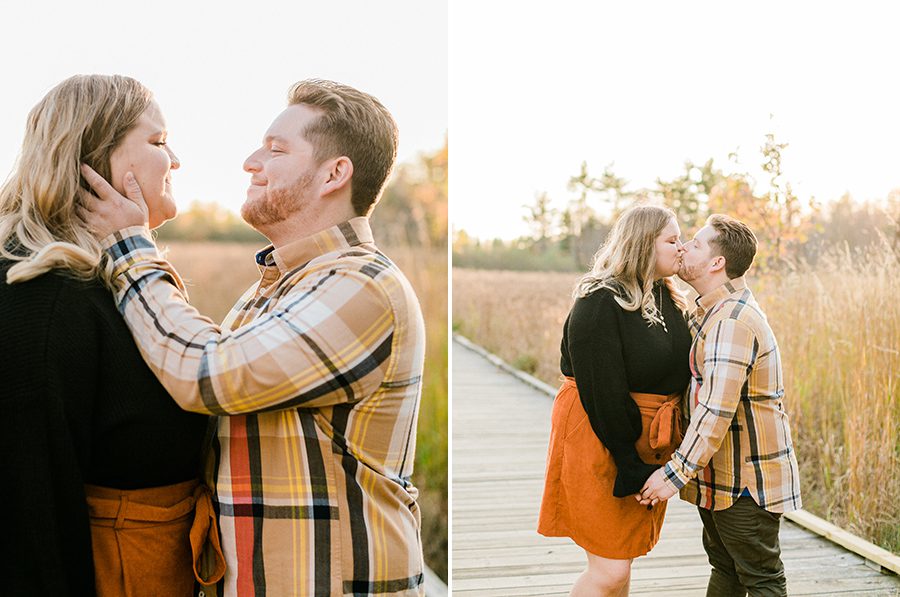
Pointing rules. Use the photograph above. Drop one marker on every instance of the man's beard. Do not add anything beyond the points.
(688, 273)
(277, 205)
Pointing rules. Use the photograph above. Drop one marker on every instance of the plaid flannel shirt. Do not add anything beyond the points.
(316, 377)
(738, 437)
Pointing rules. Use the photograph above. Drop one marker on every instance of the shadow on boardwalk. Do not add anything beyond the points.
(501, 428)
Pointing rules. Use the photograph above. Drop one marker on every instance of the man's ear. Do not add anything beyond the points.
(717, 264)
(338, 176)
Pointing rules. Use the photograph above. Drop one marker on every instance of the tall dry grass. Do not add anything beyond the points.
(838, 328)
(216, 274)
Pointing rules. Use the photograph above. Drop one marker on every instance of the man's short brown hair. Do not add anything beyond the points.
(353, 124)
(735, 242)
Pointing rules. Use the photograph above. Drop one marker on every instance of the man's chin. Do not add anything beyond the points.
(250, 209)
(259, 213)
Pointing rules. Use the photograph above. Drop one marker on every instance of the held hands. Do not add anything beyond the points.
(655, 489)
(109, 211)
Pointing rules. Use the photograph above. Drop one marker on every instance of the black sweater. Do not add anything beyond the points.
(611, 352)
(78, 406)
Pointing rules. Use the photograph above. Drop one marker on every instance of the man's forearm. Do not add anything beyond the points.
(147, 281)
(327, 340)
(730, 354)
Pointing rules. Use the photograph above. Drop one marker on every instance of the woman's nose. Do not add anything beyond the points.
(176, 163)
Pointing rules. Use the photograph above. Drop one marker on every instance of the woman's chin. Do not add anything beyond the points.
(157, 220)
(666, 273)
(158, 217)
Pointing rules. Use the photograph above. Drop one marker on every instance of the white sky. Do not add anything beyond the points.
(538, 88)
(221, 73)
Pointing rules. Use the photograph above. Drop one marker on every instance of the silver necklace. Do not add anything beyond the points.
(662, 318)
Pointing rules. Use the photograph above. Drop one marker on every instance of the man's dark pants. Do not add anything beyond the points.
(743, 549)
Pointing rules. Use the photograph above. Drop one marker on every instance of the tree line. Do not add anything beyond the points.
(412, 211)
(791, 231)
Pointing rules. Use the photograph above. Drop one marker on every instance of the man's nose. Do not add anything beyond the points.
(251, 164)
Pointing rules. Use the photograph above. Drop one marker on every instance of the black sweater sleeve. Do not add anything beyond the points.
(79, 406)
(45, 449)
(72, 348)
(596, 355)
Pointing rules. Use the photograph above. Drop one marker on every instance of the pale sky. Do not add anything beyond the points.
(538, 88)
(221, 70)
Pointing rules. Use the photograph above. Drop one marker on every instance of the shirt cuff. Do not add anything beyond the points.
(136, 257)
(675, 476)
(129, 245)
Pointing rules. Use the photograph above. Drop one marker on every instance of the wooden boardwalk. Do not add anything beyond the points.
(500, 435)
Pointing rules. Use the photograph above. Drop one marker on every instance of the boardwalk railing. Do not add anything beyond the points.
(501, 424)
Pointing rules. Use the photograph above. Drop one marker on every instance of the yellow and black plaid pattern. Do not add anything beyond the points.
(316, 377)
(738, 439)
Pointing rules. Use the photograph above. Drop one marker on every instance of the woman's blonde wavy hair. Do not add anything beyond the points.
(626, 263)
(83, 119)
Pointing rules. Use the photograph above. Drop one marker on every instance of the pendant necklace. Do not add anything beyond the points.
(662, 317)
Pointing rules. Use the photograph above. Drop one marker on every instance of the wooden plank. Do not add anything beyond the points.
(871, 552)
(500, 434)
(656, 576)
(676, 553)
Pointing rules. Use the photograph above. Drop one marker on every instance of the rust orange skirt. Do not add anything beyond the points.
(578, 499)
(150, 542)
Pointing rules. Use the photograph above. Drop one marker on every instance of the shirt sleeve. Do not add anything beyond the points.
(595, 350)
(730, 352)
(327, 341)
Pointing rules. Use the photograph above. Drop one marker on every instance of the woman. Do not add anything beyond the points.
(100, 466)
(616, 418)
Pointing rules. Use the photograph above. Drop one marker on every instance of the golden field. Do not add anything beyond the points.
(216, 274)
(838, 327)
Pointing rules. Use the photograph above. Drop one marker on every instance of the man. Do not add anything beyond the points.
(316, 373)
(736, 462)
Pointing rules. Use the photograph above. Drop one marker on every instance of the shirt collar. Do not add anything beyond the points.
(352, 233)
(711, 299)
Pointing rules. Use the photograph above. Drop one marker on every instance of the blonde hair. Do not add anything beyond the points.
(83, 119)
(626, 263)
